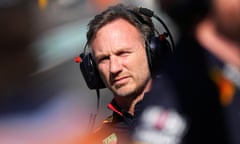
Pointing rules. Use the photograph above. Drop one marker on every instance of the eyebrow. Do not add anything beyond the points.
(102, 54)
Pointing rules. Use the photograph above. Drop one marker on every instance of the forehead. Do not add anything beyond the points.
(115, 33)
(119, 25)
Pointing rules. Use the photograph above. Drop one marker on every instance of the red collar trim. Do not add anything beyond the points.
(111, 107)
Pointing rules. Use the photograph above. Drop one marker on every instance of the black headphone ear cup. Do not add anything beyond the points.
(160, 52)
(90, 72)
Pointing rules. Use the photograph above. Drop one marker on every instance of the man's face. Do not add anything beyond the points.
(121, 58)
(227, 16)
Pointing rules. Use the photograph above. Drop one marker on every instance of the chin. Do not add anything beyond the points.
(123, 91)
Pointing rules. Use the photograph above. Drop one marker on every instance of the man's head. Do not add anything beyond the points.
(117, 38)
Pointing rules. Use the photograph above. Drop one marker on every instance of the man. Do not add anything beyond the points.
(119, 38)
(205, 70)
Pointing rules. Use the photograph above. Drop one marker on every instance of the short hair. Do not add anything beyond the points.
(143, 23)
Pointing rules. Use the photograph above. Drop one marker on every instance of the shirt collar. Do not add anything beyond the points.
(113, 106)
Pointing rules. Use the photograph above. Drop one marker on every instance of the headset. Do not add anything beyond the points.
(158, 48)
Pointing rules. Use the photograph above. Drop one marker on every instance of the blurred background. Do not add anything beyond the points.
(43, 97)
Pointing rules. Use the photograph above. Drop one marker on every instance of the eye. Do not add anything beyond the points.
(102, 59)
(123, 53)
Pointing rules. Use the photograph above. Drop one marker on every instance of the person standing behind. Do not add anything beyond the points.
(205, 69)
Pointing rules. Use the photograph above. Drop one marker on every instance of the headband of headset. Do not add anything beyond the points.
(158, 50)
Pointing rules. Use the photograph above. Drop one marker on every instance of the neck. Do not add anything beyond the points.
(223, 48)
(128, 103)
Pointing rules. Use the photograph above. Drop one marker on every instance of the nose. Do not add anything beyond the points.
(115, 65)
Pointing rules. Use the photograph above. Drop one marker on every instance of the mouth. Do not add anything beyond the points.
(120, 81)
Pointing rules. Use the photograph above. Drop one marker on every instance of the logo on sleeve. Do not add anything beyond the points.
(111, 139)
